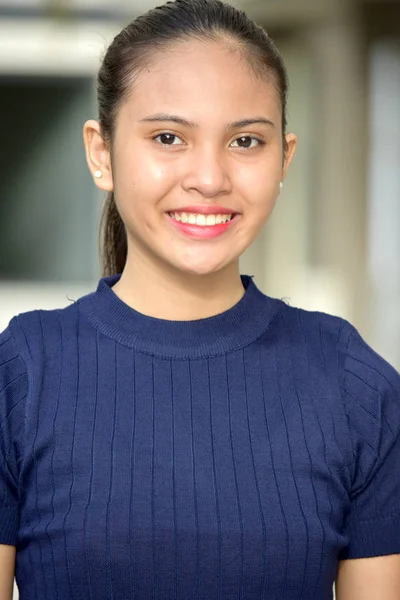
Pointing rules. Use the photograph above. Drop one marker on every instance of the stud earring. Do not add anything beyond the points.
(98, 174)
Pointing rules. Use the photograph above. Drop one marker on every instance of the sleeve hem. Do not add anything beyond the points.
(373, 538)
(8, 525)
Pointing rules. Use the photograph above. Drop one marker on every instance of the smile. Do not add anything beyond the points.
(201, 219)
(203, 226)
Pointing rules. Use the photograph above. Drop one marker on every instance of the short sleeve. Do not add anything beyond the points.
(371, 395)
(13, 391)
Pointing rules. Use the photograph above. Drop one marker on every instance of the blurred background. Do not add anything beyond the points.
(333, 242)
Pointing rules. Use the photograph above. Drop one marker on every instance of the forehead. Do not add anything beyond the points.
(203, 77)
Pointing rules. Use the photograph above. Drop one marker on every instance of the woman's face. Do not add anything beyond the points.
(184, 140)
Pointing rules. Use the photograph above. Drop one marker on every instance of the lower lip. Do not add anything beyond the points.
(203, 231)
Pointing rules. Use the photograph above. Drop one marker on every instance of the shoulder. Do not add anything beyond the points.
(14, 387)
(359, 366)
(31, 330)
(315, 330)
(369, 385)
(364, 363)
(12, 366)
(326, 331)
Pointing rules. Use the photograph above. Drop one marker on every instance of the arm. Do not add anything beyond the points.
(376, 578)
(7, 568)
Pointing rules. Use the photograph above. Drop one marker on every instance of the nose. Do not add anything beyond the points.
(207, 172)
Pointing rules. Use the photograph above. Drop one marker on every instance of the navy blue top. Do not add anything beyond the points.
(235, 457)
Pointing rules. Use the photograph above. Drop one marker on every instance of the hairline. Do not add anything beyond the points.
(148, 57)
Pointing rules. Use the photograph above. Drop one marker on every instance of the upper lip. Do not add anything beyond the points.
(203, 209)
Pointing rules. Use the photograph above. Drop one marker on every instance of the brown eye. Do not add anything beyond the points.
(167, 139)
(245, 141)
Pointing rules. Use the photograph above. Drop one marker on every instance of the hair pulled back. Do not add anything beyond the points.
(137, 44)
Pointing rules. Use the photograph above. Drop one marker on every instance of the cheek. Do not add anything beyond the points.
(141, 179)
(259, 185)
(140, 168)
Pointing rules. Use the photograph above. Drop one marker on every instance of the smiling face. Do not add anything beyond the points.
(198, 129)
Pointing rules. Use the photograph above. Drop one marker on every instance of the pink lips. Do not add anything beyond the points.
(203, 231)
(205, 209)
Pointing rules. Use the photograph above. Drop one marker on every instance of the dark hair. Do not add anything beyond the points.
(136, 45)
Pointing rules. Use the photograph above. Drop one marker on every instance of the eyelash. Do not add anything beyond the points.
(260, 142)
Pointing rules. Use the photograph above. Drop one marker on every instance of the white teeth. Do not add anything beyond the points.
(211, 219)
(200, 219)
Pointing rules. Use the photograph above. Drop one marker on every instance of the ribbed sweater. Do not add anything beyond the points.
(239, 456)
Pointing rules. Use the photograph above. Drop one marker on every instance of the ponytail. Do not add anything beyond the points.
(113, 242)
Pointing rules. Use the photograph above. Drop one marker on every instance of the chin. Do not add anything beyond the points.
(200, 270)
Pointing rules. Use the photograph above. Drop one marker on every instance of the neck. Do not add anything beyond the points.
(175, 295)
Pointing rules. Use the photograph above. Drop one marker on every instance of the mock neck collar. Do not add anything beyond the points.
(230, 330)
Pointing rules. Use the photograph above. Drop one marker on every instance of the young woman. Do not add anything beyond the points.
(177, 434)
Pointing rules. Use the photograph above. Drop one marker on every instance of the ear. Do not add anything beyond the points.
(98, 155)
(291, 140)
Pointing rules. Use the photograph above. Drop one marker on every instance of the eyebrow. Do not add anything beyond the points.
(181, 121)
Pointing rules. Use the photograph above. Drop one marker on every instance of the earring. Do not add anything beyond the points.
(281, 184)
(98, 174)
